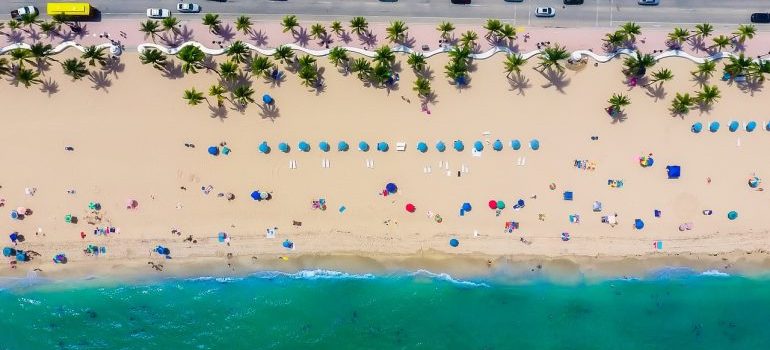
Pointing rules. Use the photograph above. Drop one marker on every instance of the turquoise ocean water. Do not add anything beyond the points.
(333, 310)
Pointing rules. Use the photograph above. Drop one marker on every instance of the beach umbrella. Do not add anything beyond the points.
(14, 214)
(363, 146)
(288, 244)
(324, 146)
(500, 205)
(440, 146)
(264, 148)
(697, 127)
(733, 126)
(714, 126)
(221, 237)
(467, 207)
(754, 182)
(14, 237)
(410, 207)
(8, 251)
(391, 187)
(131, 204)
(732, 215)
(267, 99)
(454, 242)
(767, 126)
(382, 146)
(459, 147)
(343, 146)
(214, 150)
(751, 125)
(638, 224)
(478, 146)
(21, 256)
(492, 204)
(516, 145)
(303, 146)
(422, 147)
(534, 144)
(256, 196)
(497, 146)
(283, 147)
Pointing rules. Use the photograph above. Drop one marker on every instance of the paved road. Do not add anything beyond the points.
(602, 13)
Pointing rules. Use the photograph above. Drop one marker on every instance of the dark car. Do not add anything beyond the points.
(462, 2)
(760, 17)
(573, 2)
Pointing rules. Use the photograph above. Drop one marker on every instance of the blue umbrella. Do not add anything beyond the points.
(267, 99)
(382, 146)
(288, 244)
(697, 127)
(767, 126)
(214, 150)
(732, 215)
(478, 146)
(255, 196)
(638, 224)
(391, 187)
(466, 207)
(221, 237)
(422, 147)
(21, 256)
(14, 237)
(497, 146)
(264, 148)
(283, 147)
(459, 147)
(343, 146)
(14, 214)
(303, 146)
(516, 145)
(440, 146)
(714, 126)
(733, 126)
(363, 146)
(534, 144)
(324, 146)
(751, 126)
(454, 242)
(8, 251)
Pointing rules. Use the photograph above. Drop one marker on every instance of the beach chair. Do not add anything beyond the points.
(401, 146)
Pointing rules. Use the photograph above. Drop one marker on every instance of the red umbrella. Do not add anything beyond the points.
(493, 204)
(410, 208)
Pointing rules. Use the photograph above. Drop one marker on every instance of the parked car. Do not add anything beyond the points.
(185, 7)
(514, 0)
(545, 12)
(760, 17)
(573, 2)
(649, 2)
(158, 13)
(462, 2)
(26, 10)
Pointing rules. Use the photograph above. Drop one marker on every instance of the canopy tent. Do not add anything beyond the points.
(422, 147)
(459, 146)
(497, 145)
(697, 127)
(284, 147)
(516, 145)
(751, 125)
(391, 187)
(264, 148)
(440, 146)
(363, 146)
(324, 146)
(673, 171)
(478, 146)
(714, 126)
(534, 144)
(213, 150)
(454, 242)
(734, 125)
(303, 146)
(382, 146)
(343, 146)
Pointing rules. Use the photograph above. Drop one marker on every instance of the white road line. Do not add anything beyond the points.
(611, 2)
(597, 14)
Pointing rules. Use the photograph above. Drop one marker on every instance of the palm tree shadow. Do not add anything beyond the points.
(34, 35)
(619, 118)
(185, 33)
(172, 70)
(409, 42)
(519, 83)
(751, 86)
(269, 111)
(320, 84)
(705, 108)
(556, 78)
(698, 44)
(658, 92)
(114, 66)
(426, 73)
(218, 112)
(699, 80)
(396, 67)
(16, 36)
(171, 40)
(368, 39)
(42, 66)
(739, 46)
(226, 33)
(101, 80)
(301, 37)
(345, 37)
(49, 86)
(260, 38)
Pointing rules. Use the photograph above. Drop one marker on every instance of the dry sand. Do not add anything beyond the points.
(129, 143)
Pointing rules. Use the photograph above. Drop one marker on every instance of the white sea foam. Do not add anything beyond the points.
(715, 273)
(313, 275)
(448, 278)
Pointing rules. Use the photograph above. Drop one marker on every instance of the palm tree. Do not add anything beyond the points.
(14, 24)
(243, 24)
(456, 69)
(42, 52)
(397, 31)
(422, 87)
(445, 28)
(705, 69)
(21, 55)
(238, 52)
(637, 65)
(468, 39)
(738, 65)
(283, 53)
(661, 76)
(759, 69)
(617, 102)
(493, 27)
(338, 55)
(720, 42)
(170, 23)
(682, 103)
(308, 74)
(513, 63)
(614, 40)
(745, 31)
(461, 53)
(508, 32)
(678, 36)
(218, 91)
(94, 54)
(703, 30)
(155, 57)
(4, 67)
(193, 97)
(630, 30)
(192, 58)
(228, 71)
(417, 61)
(289, 22)
(318, 31)
(551, 56)
(261, 65)
(212, 21)
(306, 61)
(48, 28)
(359, 25)
(708, 95)
(384, 55)
(381, 73)
(29, 20)
(243, 94)
(149, 28)
(27, 77)
(74, 68)
(336, 27)
(362, 67)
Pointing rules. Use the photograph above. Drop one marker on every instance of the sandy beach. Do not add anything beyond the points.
(129, 130)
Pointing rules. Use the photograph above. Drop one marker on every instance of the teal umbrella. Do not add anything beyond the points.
(303, 146)
(283, 147)
(732, 215)
(714, 126)
(382, 146)
(363, 146)
(534, 144)
(733, 127)
(478, 146)
(324, 146)
(440, 146)
(516, 145)
(697, 127)
(422, 147)
(497, 146)
(459, 147)
(343, 146)
(264, 148)
(751, 126)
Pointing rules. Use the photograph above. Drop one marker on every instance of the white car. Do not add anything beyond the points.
(26, 10)
(184, 7)
(545, 12)
(648, 2)
(158, 13)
